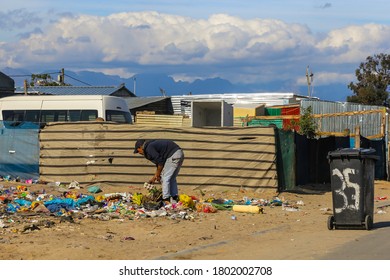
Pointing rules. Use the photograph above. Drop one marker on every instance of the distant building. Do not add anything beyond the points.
(120, 91)
(158, 105)
(182, 103)
(7, 85)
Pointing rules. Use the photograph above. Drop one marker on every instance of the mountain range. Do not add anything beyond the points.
(158, 84)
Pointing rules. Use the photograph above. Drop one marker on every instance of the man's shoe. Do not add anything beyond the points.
(166, 201)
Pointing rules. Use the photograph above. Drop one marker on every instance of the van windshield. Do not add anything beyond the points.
(16, 117)
(118, 116)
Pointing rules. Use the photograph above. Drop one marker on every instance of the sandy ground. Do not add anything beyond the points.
(279, 233)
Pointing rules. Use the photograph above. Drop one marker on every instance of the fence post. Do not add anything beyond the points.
(357, 137)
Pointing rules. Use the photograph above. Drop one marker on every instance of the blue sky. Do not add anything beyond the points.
(243, 41)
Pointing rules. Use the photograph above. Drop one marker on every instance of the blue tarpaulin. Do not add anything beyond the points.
(19, 150)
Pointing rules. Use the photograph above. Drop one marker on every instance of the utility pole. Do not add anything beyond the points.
(62, 77)
(25, 86)
(309, 78)
(134, 84)
(162, 92)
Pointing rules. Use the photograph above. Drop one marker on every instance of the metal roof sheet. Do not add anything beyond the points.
(74, 90)
(136, 102)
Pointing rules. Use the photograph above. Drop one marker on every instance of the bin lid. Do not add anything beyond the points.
(353, 153)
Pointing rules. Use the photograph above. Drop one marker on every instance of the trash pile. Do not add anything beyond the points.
(71, 203)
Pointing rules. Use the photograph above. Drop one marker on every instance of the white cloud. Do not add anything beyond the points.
(353, 44)
(241, 50)
(118, 71)
(152, 38)
(326, 78)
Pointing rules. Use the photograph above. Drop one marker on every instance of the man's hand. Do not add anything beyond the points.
(155, 178)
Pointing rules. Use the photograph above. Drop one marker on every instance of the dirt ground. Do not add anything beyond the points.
(298, 230)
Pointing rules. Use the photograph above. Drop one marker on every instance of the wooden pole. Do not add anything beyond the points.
(357, 137)
(25, 87)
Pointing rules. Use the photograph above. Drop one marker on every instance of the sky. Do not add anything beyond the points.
(243, 41)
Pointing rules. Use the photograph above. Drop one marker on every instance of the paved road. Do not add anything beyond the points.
(375, 246)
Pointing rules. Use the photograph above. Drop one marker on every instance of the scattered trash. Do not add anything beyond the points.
(290, 208)
(276, 202)
(206, 237)
(205, 208)
(157, 213)
(151, 205)
(94, 189)
(68, 219)
(246, 200)
(2, 225)
(30, 228)
(54, 184)
(187, 201)
(65, 204)
(137, 198)
(149, 186)
(128, 238)
(74, 185)
(247, 209)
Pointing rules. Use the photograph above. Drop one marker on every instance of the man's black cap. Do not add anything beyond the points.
(138, 144)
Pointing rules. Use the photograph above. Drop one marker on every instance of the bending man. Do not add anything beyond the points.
(168, 158)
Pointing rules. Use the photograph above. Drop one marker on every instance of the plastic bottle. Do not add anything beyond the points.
(246, 209)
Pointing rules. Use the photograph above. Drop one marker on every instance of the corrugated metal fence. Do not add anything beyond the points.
(333, 117)
(217, 157)
(19, 150)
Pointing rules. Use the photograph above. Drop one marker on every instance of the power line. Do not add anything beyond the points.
(77, 80)
(19, 75)
(50, 73)
(33, 74)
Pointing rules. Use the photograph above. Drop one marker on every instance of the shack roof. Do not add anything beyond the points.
(120, 90)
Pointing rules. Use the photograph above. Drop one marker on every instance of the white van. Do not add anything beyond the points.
(63, 108)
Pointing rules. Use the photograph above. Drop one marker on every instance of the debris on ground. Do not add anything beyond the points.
(19, 204)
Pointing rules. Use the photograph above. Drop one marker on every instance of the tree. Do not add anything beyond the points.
(42, 80)
(47, 80)
(373, 80)
(307, 123)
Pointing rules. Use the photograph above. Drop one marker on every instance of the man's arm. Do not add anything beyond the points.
(157, 175)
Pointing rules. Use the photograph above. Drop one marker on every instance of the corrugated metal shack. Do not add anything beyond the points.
(7, 85)
(334, 118)
(182, 103)
(157, 105)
